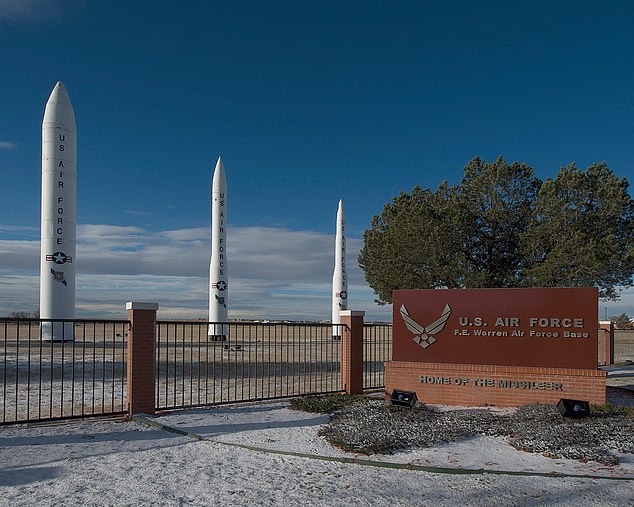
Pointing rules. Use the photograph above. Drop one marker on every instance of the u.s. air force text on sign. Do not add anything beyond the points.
(503, 347)
(516, 327)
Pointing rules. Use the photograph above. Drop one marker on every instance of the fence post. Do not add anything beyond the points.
(141, 358)
(606, 343)
(352, 351)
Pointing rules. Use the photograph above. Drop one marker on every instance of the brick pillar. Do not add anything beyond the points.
(606, 342)
(352, 351)
(141, 338)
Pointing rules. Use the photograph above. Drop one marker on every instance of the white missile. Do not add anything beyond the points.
(58, 225)
(218, 274)
(339, 279)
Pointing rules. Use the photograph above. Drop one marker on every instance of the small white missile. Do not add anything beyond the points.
(339, 278)
(218, 274)
(59, 222)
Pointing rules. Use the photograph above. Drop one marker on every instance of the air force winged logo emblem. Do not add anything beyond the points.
(424, 336)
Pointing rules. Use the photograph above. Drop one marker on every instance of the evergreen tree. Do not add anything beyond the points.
(582, 232)
(502, 227)
(622, 321)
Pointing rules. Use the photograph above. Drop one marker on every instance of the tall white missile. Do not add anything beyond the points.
(218, 274)
(58, 225)
(339, 278)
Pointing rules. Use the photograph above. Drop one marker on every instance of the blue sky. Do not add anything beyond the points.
(306, 102)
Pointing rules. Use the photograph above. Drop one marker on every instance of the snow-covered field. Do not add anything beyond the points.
(268, 454)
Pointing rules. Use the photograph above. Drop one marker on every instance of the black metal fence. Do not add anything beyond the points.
(377, 348)
(43, 379)
(257, 361)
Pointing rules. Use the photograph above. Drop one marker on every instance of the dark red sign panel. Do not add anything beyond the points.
(517, 327)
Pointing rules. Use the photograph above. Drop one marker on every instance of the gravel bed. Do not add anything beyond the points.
(373, 426)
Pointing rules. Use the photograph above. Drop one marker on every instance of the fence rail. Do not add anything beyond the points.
(377, 348)
(42, 379)
(257, 361)
(86, 375)
(81, 376)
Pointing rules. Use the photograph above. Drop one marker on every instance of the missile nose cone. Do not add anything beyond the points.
(340, 210)
(59, 94)
(59, 108)
(219, 180)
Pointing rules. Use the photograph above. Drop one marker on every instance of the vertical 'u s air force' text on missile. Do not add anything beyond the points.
(221, 230)
(59, 231)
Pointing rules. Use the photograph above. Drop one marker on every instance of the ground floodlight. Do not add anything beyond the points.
(573, 408)
(403, 398)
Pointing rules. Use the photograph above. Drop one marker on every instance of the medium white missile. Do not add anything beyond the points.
(339, 278)
(218, 274)
(58, 225)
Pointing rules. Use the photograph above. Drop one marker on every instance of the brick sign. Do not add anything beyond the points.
(514, 327)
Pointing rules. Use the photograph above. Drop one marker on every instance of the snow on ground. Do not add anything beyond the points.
(276, 427)
(118, 462)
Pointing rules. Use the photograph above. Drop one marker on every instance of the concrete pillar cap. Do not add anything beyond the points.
(352, 313)
(135, 305)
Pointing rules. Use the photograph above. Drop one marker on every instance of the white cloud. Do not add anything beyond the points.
(624, 305)
(19, 255)
(7, 145)
(200, 233)
(138, 213)
(274, 273)
(20, 229)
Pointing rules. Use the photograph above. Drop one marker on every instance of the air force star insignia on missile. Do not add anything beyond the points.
(424, 336)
